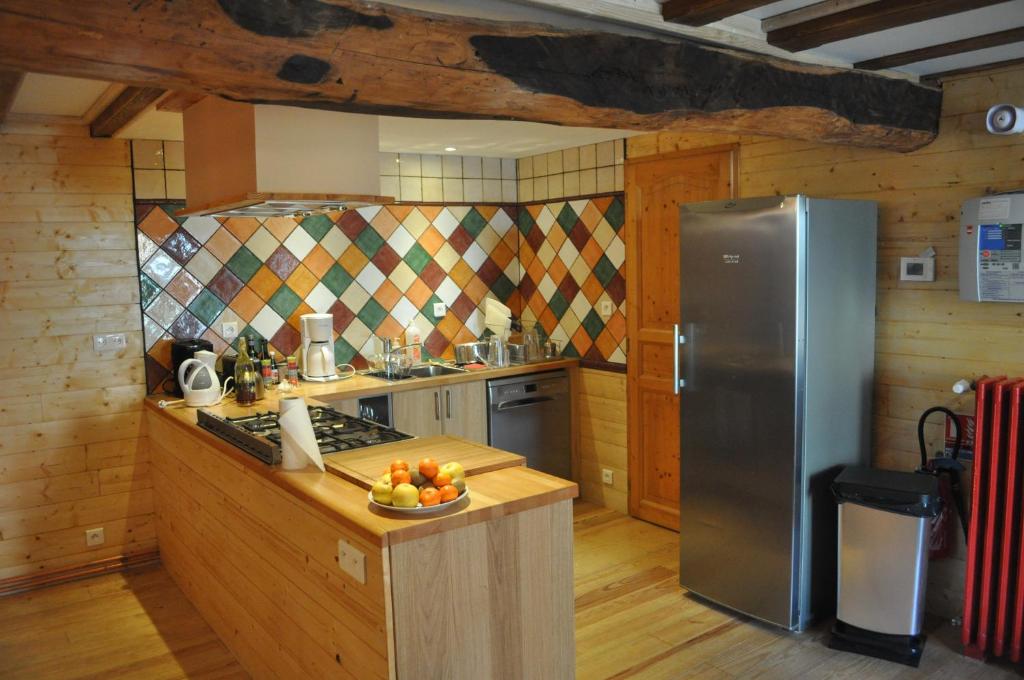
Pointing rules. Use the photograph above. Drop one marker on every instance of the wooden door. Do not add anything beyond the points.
(418, 412)
(655, 187)
(465, 410)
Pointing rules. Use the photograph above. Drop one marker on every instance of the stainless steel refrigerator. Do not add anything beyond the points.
(774, 363)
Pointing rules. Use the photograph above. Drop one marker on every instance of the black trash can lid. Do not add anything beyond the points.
(905, 493)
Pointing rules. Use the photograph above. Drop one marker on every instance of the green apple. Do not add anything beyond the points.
(382, 492)
(454, 470)
(405, 496)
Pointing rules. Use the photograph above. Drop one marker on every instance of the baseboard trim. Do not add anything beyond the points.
(21, 584)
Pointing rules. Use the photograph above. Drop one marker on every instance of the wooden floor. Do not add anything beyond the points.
(632, 621)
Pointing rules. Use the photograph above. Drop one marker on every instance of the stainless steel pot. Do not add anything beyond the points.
(471, 353)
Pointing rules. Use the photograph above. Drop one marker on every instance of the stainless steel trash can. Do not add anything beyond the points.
(884, 533)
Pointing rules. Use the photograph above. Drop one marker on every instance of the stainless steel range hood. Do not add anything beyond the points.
(245, 160)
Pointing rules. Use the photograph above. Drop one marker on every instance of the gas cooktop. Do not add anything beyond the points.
(259, 435)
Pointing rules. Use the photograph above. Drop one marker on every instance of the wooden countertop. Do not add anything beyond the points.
(493, 492)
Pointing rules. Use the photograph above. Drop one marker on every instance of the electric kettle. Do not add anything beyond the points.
(200, 385)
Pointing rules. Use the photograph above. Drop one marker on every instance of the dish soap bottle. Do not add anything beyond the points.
(245, 375)
(414, 338)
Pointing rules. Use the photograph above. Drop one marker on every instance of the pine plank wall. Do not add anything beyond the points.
(72, 452)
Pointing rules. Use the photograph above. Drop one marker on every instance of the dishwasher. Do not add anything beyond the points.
(529, 415)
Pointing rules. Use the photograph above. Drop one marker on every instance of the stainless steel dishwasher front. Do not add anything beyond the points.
(529, 415)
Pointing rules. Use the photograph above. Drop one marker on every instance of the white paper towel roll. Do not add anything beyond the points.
(298, 443)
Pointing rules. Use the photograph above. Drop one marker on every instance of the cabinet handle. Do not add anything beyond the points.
(437, 406)
(448, 404)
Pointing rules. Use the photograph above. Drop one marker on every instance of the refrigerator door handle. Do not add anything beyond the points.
(677, 340)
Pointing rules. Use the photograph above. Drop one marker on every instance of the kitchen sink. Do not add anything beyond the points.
(434, 370)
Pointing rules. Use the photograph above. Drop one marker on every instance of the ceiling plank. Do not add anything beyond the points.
(864, 19)
(390, 60)
(10, 82)
(124, 109)
(178, 101)
(942, 75)
(704, 12)
(977, 42)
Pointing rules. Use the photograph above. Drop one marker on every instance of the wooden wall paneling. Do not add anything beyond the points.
(601, 407)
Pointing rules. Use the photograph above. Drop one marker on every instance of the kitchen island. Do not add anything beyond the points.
(300, 577)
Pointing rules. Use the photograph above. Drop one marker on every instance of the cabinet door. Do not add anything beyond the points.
(418, 412)
(464, 409)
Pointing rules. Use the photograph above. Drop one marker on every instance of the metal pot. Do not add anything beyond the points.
(471, 353)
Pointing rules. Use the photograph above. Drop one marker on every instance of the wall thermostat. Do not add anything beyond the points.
(917, 269)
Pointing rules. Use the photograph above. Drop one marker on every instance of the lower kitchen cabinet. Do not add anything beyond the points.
(459, 410)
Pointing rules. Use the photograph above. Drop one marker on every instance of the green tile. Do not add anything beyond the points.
(148, 289)
(337, 279)
(317, 226)
(616, 213)
(474, 222)
(171, 208)
(344, 353)
(558, 304)
(250, 333)
(244, 264)
(605, 270)
(428, 309)
(524, 220)
(417, 258)
(206, 307)
(567, 218)
(369, 241)
(593, 324)
(570, 351)
(372, 314)
(284, 301)
(503, 287)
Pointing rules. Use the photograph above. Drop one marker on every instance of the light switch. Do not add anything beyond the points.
(607, 308)
(439, 310)
(109, 343)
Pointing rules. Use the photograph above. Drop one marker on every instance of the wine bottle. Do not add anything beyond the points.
(246, 379)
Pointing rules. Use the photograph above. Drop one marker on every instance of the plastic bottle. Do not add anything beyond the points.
(415, 338)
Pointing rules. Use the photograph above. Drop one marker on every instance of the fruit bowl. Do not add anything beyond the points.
(420, 509)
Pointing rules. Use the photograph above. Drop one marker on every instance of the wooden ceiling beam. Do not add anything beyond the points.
(347, 55)
(178, 101)
(10, 82)
(939, 76)
(704, 12)
(863, 19)
(978, 42)
(125, 108)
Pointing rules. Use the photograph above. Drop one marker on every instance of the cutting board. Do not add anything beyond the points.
(364, 466)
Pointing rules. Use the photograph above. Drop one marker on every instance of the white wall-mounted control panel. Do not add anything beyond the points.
(991, 265)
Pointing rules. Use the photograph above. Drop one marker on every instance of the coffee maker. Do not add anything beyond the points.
(318, 347)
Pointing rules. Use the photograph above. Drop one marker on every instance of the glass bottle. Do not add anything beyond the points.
(246, 379)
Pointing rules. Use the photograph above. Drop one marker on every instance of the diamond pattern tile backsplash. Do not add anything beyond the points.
(376, 269)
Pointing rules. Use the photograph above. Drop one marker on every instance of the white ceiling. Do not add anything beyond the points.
(57, 95)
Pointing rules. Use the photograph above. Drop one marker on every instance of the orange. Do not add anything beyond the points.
(448, 493)
(428, 468)
(400, 477)
(441, 479)
(430, 497)
(399, 465)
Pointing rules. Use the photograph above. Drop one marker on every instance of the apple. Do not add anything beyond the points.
(454, 470)
(405, 496)
(382, 492)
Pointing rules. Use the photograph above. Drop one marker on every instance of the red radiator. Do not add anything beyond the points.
(994, 592)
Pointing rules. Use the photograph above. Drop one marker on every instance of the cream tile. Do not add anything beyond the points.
(508, 168)
(452, 187)
(508, 191)
(620, 178)
(492, 190)
(524, 168)
(147, 154)
(540, 188)
(451, 166)
(588, 156)
(389, 187)
(433, 191)
(150, 184)
(174, 155)
(605, 180)
(554, 163)
(605, 154)
(571, 183)
(472, 190)
(409, 165)
(620, 151)
(472, 167)
(175, 183)
(556, 188)
(588, 182)
(525, 190)
(430, 165)
(388, 163)
(571, 159)
(540, 165)
(492, 168)
(412, 188)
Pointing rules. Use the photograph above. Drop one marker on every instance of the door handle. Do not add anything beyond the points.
(448, 404)
(677, 340)
(437, 406)
(522, 403)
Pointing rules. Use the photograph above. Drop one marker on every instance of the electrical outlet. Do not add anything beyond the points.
(440, 310)
(110, 342)
(229, 330)
(607, 308)
(607, 476)
(94, 537)
(351, 561)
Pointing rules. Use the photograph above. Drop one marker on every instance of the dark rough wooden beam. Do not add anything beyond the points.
(870, 18)
(703, 12)
(123, 110)
(351, 56)
(978, 42)
(10, 81)
(177, 102)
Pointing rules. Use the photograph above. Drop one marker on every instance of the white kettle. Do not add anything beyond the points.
(200, 385)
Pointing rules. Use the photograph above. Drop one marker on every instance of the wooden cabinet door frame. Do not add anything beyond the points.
(464, 410)
(640, 381)
(418, 412)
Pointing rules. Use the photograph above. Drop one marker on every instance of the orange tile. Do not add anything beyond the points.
(515, 303)
(334, 215)
(502, 255)
(399, 212)
(602, 202)
(475, 289)
(385, 223)
(512, 239)
(449, 353)
(161, 349)
(293, 320)
(592, 288)
(556, 237)
(616, 325)
(222, 245)
(280, 227)
(581, 340)
(430, 211)
(534, 210)
(548, 321)
(536, 270)
(464, 335)
(387, 295)
(302, 281)
(265, 282)
(461, 273)
(557, 270)
(318, 261)
(218, 343)
(242, 227)
(538, 304)
(591, 216)
(449, 325)
(246, 304)
(418, 293)
(591, 253)
(526, 253)
(606, 344)
(353, 260)
(158, 225)
(431, 240)
(487, 211)
(389, 328)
